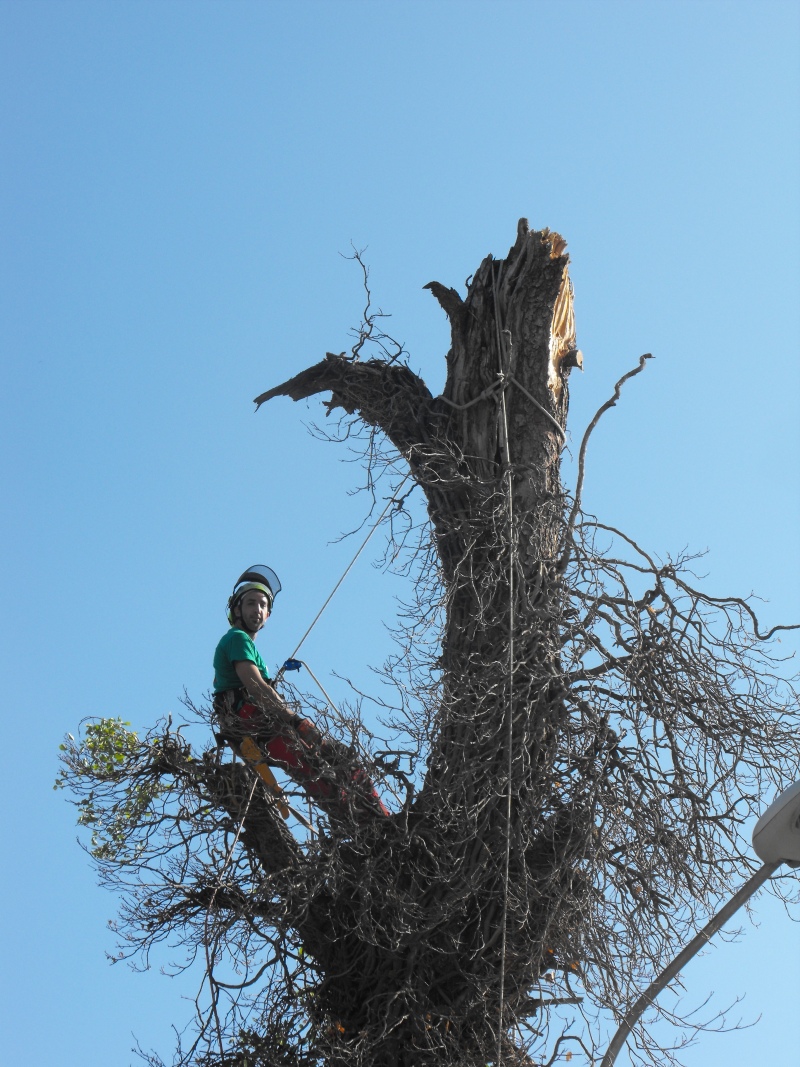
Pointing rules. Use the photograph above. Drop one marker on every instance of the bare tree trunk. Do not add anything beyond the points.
(486, 453)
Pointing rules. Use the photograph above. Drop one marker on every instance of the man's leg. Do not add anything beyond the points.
(322, 766)
(288, 752)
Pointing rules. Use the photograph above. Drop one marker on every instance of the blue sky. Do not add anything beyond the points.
(179, 181)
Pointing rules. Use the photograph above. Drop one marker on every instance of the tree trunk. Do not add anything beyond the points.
(473, 889)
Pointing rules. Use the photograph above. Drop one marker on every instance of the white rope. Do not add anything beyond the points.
(541, 407)
(322, 689)
(364, 543)
(505, 380)
(507, 478)
(463, 407)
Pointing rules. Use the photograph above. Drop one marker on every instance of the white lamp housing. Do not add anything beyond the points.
(776, 837)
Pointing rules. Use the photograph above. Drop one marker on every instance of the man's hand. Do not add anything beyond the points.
(308, 731)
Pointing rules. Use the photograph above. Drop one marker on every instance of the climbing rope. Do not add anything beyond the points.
(505, 367)
(295, 665)
(348, 568)
(503, 382)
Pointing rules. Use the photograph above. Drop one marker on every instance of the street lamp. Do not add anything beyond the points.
(776, 840)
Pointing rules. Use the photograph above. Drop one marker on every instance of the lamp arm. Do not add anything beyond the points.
(646, 999)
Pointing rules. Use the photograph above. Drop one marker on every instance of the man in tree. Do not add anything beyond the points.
(586, 733)
(252, 713)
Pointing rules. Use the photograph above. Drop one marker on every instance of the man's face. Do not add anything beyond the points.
(253, 610)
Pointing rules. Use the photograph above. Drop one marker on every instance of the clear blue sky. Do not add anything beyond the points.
(178, 182)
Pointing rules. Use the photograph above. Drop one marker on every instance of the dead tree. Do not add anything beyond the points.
(579, 733)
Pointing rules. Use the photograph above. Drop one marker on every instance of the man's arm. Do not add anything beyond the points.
(261, 691)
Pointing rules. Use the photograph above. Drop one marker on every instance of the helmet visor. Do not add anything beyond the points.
(261, 575)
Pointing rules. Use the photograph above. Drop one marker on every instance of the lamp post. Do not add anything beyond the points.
(776, 840)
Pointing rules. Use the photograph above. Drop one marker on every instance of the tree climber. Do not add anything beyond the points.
(252, 713)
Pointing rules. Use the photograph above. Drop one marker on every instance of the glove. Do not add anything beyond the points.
(308, 732)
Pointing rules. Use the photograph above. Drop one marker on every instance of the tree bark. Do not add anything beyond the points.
(486, 454)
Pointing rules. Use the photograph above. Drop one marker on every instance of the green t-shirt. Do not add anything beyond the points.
(235, 645)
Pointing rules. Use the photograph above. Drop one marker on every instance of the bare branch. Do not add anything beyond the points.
(610, 403)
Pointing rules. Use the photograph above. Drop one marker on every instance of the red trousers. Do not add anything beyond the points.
(334, 784)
